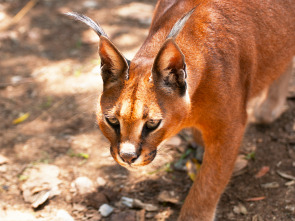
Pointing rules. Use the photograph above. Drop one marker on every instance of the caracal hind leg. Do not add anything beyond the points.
(272, 103)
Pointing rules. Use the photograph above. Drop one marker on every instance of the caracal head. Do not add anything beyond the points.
(144, 101)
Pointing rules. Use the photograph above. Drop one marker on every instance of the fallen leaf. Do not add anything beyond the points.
(21, 119)
(255, 199)
(262, 172)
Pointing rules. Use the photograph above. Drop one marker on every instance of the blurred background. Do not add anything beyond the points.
(54, 161)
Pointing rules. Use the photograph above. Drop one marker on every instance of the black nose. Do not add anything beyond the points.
(129, 157)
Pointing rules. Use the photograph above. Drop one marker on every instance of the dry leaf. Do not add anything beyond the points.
(262, 172)
(21, 119)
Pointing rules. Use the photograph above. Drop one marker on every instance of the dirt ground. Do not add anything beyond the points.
(49, 76)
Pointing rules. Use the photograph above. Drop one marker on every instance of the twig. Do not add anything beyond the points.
(286, 176)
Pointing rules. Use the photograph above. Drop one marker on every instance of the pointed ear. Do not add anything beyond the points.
(114, 67)
(169, 70)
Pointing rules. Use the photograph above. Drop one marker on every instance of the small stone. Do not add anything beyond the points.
(173, 141)
(101, 181)
(271, 185)
(105, 210)
(84, 185)
(168, 197)
(63, 215)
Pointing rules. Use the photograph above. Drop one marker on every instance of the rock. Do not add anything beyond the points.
(101, 181)
(41, 185)
(173, 141)
(3, 159)
(84, 185)
(63, 215)
(168, 197)
(105, 210)
(240, 209)
(270, 185)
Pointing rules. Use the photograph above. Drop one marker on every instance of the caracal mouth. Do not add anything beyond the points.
(140, 163)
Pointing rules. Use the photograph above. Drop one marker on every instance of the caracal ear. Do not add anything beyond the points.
(113, 64)
(169, 70)
(114, 67)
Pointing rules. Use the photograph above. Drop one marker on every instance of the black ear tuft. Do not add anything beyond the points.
(180, 24)
(114, 66)
(88, 21)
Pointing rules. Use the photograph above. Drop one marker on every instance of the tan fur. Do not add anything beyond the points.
(230, 51)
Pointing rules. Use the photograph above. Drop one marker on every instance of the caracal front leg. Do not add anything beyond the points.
(221, 148)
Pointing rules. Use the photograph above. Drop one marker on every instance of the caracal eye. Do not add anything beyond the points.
(113, 121)
(153, 124)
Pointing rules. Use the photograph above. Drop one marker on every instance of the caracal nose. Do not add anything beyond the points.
(129, 157)
(128, 152)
